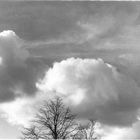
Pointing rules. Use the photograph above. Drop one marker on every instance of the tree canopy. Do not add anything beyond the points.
(53, 121)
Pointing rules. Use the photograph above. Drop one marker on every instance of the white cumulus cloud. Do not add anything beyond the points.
(94, 89)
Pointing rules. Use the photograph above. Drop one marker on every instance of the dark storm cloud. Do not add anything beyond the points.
(38, 20)
(63, 27)
(47, 20)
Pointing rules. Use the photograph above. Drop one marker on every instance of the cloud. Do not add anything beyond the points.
(18, 112)
(18, 70)
(91, 87)
(94, 89)
(31, 21)
(116, 133)
(90, 27)
(23, 110)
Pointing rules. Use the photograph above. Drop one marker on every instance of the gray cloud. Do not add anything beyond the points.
(38, 20)
(47, 20)
(54, 31)
(18, 71)
(86, 27)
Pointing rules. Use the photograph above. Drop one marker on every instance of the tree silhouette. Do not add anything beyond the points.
(53, 121)
(87, 132)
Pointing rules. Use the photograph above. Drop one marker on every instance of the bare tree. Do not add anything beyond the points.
(53, 121)
(87, 132)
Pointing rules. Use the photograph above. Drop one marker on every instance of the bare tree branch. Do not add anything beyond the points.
(53, 121)
(86, 132)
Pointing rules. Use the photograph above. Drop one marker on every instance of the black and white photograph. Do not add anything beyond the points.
(69, 70)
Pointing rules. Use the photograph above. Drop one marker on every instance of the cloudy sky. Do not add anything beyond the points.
(88, 53)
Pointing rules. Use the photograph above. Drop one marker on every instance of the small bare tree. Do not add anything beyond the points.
(53, 121)
(87, 132)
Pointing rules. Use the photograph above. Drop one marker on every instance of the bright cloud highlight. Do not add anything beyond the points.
(94, 89)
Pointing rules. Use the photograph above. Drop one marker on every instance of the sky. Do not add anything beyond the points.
(86, 52)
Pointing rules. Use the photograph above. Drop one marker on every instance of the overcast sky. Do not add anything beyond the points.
(88, 53)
